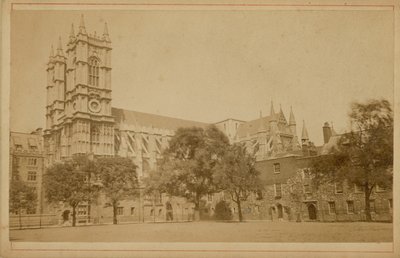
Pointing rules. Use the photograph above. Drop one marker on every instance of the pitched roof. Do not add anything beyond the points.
(26, 141)
(136, 118)
(252, 126)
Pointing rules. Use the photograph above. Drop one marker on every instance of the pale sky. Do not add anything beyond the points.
(212, 65)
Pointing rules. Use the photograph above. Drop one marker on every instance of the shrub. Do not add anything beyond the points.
(223, 211)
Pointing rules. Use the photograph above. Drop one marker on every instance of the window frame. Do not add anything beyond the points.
(336, 188)
(120, 211)
(350, 211)
(82, 210)
(332, 210)
(31, 176)
(275, 166)
(93, 71)
(280, 189)
(356, 190)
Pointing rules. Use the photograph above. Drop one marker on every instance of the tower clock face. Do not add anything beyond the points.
(94, 106)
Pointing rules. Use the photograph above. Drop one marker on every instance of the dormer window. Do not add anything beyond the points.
(93, 72)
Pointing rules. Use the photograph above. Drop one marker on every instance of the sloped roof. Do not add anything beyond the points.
(330, 145)
(25, 141)
(252, 126)
(136, 118)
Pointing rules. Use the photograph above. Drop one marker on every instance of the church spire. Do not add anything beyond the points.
(272, 112)
(51, 51)
(82, 29)
(292, 120)
(304, 133)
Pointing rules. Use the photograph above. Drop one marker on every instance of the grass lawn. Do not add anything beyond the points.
(257, 231)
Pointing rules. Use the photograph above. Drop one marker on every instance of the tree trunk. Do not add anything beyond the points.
(196, 211)
(74, 215)
(239, 205)
(367, 191)
(115, 221)
(19, 218)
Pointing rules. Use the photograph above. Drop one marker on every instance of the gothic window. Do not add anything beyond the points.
(95, 134)
(93, 72)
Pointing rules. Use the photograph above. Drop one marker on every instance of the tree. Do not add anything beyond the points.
(223, 211)
(237, 175)
(68, 182)
(119, 180)
(363, 156)
(22, 197)
(187, 165)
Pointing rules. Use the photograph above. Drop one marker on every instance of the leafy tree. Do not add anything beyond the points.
(363, 156)
(187, 165)
(237, 175)
(22, 197)
(119, 180)
(68, 182)
(223, 211)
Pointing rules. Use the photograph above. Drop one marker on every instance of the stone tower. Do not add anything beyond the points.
(78, 111)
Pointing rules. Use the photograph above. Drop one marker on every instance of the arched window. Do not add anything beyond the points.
(95, 134)
(93, 72)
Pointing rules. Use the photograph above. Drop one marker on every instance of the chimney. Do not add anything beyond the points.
(327, 131)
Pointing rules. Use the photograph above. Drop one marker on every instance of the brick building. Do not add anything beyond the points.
(290, 193)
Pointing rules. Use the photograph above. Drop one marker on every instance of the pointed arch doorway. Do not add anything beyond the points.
(312, 211)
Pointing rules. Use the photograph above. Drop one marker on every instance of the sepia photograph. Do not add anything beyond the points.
(222, 126)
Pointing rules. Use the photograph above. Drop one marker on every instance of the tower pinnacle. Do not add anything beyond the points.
(51, 51)
(304, 133)
(59, 48)
(292, 120)
(82, 28)
(106, 37)
(72, 33)
(272, 113)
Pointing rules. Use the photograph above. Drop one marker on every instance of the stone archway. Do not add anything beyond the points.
(312, 211)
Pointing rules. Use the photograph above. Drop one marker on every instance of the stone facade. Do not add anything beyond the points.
(80, 119)
(27, 162)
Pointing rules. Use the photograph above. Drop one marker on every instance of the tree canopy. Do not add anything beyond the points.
(118, 180)
(68, 182)
(237, 175)
(363, 156)
(22, 197)
(187, 165)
